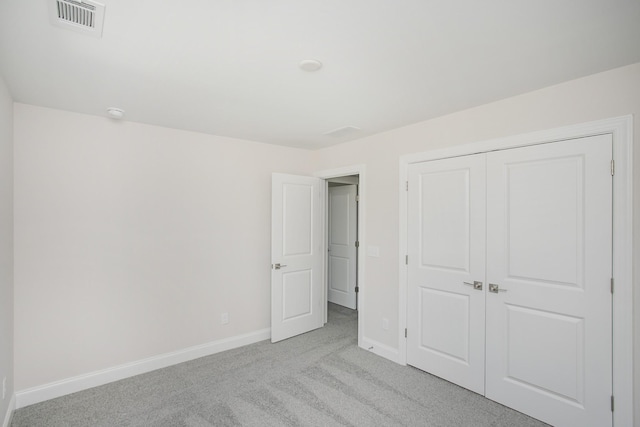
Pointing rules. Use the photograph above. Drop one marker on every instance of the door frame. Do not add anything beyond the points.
(335, 173)
(621, 129)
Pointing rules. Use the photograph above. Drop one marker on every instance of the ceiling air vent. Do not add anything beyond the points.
(343, 131)
(84, 16)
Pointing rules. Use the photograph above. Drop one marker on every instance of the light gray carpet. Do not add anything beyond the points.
(317, 379)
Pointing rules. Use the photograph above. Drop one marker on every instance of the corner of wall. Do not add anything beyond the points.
(7, 403)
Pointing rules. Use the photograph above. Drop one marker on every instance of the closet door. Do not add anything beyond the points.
(549, 251)
(446, 238)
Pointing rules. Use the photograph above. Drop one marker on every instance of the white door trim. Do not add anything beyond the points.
(621, 129)
(334, 173)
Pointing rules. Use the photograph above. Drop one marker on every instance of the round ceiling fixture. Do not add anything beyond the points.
(310, 65)
(115, 113)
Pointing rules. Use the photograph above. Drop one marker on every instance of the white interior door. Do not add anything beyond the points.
(297, 289)
(446, 237)
(548, 339)
(342, 245)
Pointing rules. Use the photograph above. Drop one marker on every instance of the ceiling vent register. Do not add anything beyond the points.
(343, 131)
(84, 16)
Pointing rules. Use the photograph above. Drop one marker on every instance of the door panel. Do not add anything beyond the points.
(447, 223)
(447, 308)
(298, 207)
(446, 237)
(548, 338)
(342, 245)
(297, 289)
(546, 196)
(296, 255)
(531, 334)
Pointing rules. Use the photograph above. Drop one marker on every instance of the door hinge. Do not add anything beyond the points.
(405, 332)
(613, 167)
(357, 289)
(611, 403)
(407, 186)
(357, 197)
(612, 285)
(357, 244)
(406, 259)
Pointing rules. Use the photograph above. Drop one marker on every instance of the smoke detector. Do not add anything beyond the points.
(84, 16)
(115, 113)
(310, 65)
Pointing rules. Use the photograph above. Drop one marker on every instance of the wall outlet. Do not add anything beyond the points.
(385, 323)
(224, 318)
(4, 387)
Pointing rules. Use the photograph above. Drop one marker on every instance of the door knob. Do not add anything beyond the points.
(476, 285)
(495, 288)
(278, 266)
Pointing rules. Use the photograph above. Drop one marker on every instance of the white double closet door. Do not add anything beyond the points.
(509, 275)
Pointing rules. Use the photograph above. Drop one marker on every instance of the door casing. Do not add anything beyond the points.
(621, 129)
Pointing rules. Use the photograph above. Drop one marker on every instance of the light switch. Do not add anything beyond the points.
(373, 251)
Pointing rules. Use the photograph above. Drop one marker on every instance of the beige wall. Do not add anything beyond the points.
(131, 240)
(610, 94)
(6, 245)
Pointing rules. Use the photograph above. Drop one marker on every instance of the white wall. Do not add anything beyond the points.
(131, 240)
(6, 245)
(610, 94)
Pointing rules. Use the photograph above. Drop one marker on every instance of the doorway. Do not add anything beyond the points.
(341, 268)
(342, 241)
(350, 175)
(299, 252)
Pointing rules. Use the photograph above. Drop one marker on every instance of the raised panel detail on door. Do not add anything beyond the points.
(296, 294)
(448, 221)
(445, 308)
(548, 338)
(546, 196)
(534, 334)
(342, 245)
(446, 237)
(339, 274)
(297, 235)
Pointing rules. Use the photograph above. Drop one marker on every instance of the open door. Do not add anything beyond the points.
(296, 255)
(342, 245)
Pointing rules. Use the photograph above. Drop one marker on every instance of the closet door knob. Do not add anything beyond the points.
(476, 285)
(495, 288)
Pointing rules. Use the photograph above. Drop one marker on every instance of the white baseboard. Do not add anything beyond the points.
(380, 349)
(9, 414)
(93, 379)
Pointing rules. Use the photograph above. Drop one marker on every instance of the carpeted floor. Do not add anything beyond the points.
(317, 379)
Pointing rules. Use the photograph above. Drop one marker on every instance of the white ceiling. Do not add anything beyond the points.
(230, 67)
